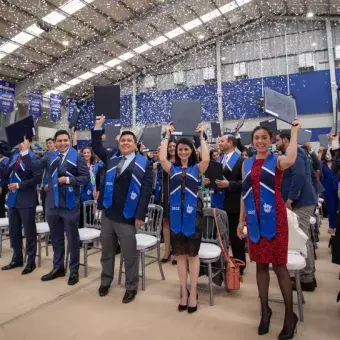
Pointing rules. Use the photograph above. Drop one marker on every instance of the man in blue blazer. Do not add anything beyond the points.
(67, 171)
(22, 201)
(299, 194)
(124, 196)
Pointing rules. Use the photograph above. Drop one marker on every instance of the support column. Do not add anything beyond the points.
(331, 67)
(219, 84)
(134, 102)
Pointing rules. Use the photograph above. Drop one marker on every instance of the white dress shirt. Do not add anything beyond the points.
(226, 158)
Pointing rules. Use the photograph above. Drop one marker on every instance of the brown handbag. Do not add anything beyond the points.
(232, 277)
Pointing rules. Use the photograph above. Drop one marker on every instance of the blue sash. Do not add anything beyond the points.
(71, 171)
(88, 189)
(183, 214)
(133, 195)
(158, 186)
(15, 176)
(218, 196)
(267, 218)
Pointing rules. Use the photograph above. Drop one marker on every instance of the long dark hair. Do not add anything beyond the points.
(192, 159)
(168, 156)
(92, 159)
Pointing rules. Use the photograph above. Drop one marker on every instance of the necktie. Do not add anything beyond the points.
(17, 165)
(60, 162)
(120, 166)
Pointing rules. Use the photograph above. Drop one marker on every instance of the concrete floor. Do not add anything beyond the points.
(31, 309)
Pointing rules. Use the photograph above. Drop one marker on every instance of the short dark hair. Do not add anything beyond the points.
(284, 134)
(128, 133)
(232, 139)
(61, 132)
(212, 152)
(48, 139)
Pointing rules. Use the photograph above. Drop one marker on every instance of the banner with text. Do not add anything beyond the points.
(7, 93)
(55, 106)
(35, 104)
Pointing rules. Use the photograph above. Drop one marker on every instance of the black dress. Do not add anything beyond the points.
(181, 244)
(165, 194)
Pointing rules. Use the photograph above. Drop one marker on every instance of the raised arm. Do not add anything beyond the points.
(242, 213)
(286, 161)
(203, 165)
(166, 165)
(96, 140)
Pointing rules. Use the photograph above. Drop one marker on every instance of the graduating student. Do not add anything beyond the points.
(263, 205)
(185, 211)
(124, 196)
(3, 184)
(67, 172)
(22, 201)
(227, 196)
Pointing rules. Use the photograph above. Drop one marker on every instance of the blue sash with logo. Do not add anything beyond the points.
(71, 171)
(183, 213)
(218, 196)
(15, 176)
(265, 224)
(88, 189)
(134, 188)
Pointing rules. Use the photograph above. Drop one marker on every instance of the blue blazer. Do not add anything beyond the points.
(27, 193)
(297, 182)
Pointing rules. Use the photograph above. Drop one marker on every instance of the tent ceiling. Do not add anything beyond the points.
(97, 31)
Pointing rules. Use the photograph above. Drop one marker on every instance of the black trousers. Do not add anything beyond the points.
(237, 245)
(43, 202)
(19, 218)
(2, 202)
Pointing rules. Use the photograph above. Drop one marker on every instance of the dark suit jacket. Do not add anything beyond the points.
(297, 182)
(233, 192)
(27, 196)
(82, 177)
(115, 212)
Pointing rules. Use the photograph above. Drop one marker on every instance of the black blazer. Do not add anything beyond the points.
(27, 196)
(233, 192)
(115, 212)
(82, 177)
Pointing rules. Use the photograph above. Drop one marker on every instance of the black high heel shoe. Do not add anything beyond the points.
(264, 326)
(165, 260)
(290, 334)
(182, 308)
(193, 309)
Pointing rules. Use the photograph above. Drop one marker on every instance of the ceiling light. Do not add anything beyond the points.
(22, 38)
(228, 7)
(74, 81)
(211, 15)
(201, 36)
(174, 33)
(142, 48)
(160, 40)
(126, 56)
(223, 58)
(242, 2)
(55, 80)
(100, 69)
(34, 29)
(62, 87)
(192, 24)
(65, 42)
(314, 44)
(54, 17)
(72, 6)
(113, 62)
(119, 67)
(9, 47)
(86, 75)
(310, 15)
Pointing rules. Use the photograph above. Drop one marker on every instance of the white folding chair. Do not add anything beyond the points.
(210, 251)
(89, 234)
(4, 224)
(43, 231)
(148, 238)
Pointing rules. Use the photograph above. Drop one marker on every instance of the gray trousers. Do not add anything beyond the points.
(111, 233)
(304, 214)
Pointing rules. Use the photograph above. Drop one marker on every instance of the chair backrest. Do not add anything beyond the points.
(91, 214)
(209, 234)
(206, 198)
(297, 238)
(153, 221)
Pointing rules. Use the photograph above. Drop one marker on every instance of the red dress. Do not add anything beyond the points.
(273, 251)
